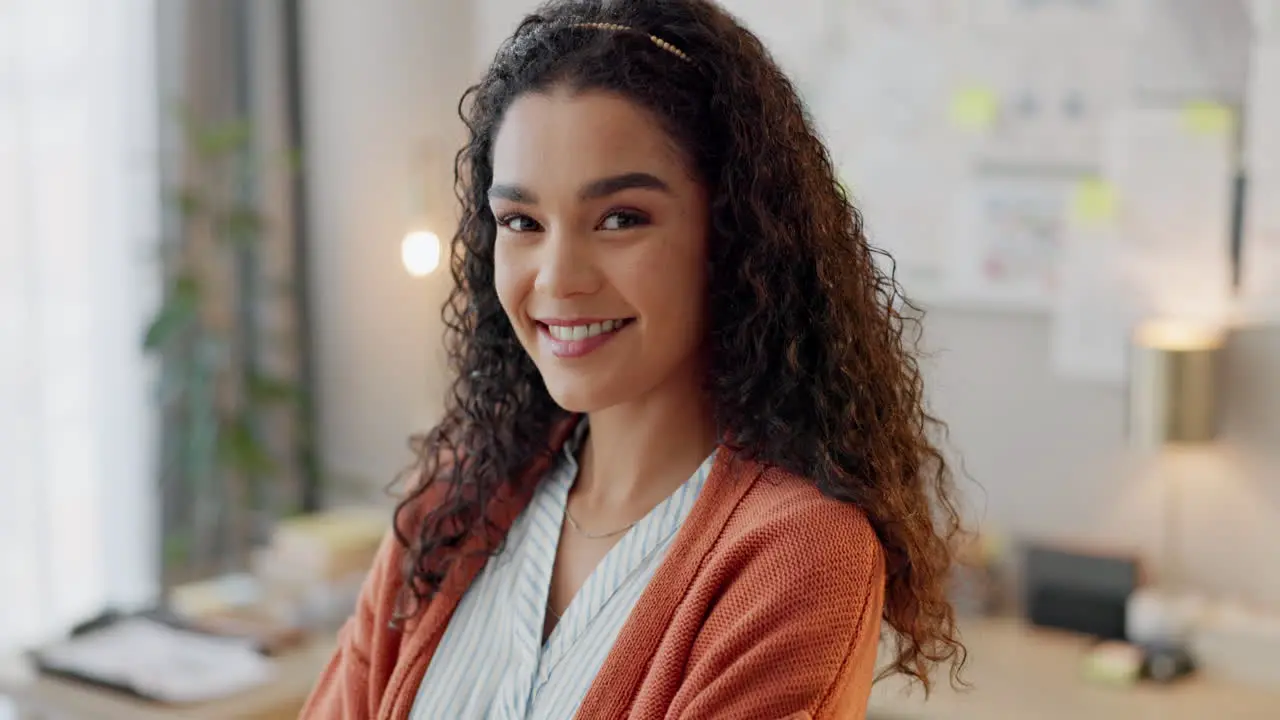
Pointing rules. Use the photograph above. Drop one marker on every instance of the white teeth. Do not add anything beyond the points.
(582, 332)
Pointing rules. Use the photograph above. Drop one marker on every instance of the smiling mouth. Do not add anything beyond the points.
(570, 333)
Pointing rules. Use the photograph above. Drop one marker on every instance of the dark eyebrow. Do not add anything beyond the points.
(605, 187)
(594, 190)
(514, 193)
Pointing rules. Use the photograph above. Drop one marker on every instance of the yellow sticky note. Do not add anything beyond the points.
(1094, 201)
(975, 108)
(1208, 118)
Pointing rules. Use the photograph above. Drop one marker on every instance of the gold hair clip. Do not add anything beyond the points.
(614, 27)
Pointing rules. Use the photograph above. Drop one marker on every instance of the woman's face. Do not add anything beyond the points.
(601, 248)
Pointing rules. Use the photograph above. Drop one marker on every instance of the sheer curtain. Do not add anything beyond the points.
(79, 218)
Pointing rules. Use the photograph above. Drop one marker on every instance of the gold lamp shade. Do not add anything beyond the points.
(1173, 388)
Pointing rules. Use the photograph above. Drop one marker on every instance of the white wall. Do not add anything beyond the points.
(1049, 454)
(382, 78)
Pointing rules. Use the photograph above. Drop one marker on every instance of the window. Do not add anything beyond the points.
(79, 220)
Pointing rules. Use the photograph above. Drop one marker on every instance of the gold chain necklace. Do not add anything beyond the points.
(593, 536)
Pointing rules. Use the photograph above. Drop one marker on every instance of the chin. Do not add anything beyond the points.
(577, 399)
(581, 393)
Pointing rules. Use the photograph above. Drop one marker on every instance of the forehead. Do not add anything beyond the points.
(564, 136)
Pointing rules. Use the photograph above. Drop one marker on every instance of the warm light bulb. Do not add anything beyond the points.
(420, 252)
(1176, 336)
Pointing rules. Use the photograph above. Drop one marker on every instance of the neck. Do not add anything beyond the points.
(640, 452)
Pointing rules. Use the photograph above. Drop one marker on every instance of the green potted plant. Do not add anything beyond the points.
(221, 406)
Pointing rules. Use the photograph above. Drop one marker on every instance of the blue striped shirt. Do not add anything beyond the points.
(492, 663)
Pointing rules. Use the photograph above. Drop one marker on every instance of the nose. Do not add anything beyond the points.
(566, 266)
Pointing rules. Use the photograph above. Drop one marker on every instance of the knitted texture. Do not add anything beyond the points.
(766, 607)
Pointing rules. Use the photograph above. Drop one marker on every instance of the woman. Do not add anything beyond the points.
(685, 469)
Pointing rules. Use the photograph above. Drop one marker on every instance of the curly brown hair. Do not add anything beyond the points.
(812, 345)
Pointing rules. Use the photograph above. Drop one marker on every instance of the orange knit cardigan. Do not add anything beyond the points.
(766, 606)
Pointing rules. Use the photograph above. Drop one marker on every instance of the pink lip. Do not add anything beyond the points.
(568, 349)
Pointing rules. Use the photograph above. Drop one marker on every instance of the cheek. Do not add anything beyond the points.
(670, 284)
(507, 282)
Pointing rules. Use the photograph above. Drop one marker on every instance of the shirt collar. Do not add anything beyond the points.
(574, 442)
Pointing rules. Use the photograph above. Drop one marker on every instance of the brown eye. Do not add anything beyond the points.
(518, 223)
(623, 220)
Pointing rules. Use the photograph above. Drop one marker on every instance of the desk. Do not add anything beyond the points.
(1019, 672)
(39, 697)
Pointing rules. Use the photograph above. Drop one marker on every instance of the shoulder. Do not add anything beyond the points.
(787, 606)
(783, 534)
(784, 517)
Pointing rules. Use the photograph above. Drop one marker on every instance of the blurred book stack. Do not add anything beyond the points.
(315, 564)
(306, 579)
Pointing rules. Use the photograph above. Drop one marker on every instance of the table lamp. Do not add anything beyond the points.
(1173, 389)
(1173, 401)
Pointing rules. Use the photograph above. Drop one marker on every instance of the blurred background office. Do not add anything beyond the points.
(224, 234)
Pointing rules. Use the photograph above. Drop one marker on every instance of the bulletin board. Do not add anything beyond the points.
(1078, 158)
